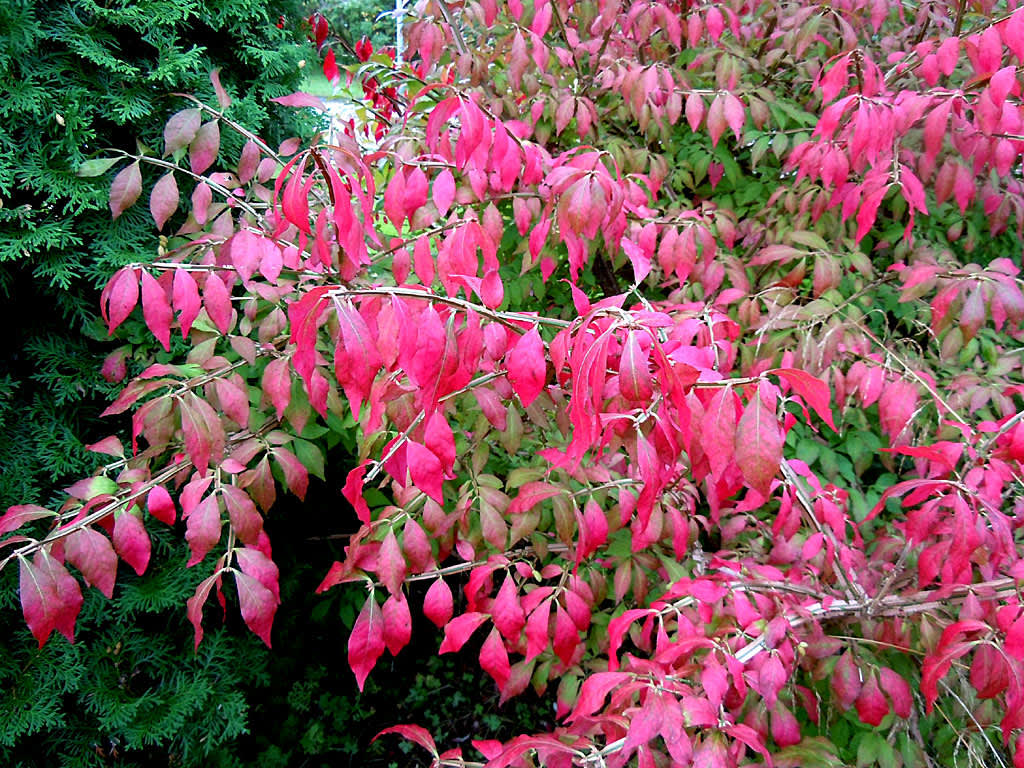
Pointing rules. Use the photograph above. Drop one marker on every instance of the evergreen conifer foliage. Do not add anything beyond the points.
(79, 77)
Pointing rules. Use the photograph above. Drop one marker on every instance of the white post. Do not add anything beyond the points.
(399, 39)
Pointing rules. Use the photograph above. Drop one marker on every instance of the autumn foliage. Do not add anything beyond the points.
(681, 347)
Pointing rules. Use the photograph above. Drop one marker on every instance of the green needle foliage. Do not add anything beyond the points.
(81, 77)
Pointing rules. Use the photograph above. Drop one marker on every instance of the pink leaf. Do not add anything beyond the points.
(131, 541)
(296, 477)
(813, 390)
(160, 505)
(156, 310)
(898, 691)
(202, 528)
(494, 658)
(413, 733)
(257, 564)
(443, 191)
(300, 99)
(122, 296)
(871, 703)
(759, 442)
(204, 147)
(366, 643)
(245, 520)
(17, 516)
(163, 200)
(125, 189)
(391, 563)
(217, 300)
(397, 623)
(50, 597)
(223, 100)
(181, 129)
(506, 610)
(425, 470)
(846, 681)
(458, 630)
(527, 367)
(437, 603)
(185, 298)
(258, 605)
(277, 383)
(197, 601)
(91, 553)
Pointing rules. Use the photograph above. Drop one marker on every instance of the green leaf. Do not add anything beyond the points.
(97, 166)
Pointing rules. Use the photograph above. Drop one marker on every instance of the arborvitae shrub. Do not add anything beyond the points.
(79, 77)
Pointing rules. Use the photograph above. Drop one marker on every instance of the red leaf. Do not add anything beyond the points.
(458, 630)
(366, 643)
(537, 637)
(296, 477)
(759, 442)
(416, 546)
(331, 67)
(494, 658)
(506, 610)
(202, 528)
(181, 129)
(397, 623)
(300, 99)
(256, 563)
(277, 383)
(122, 296)
(91, 553)
(634, 369)
(17, 516)
(223, 100)
(898, 690)
(353, 492)
(245, 520)
(718, 431)
(734, 114)
(160, 505)
(258, 605)
(163, 200)
(358, 359)
(391, 564)
(846, 680)
(156, 310)
(425, 470)
(110, 446)
(443, 191)
(196, 603)
(716, 119)
(204, 147)
(50, 597)
(217, 300)
(234, 401)
(531, 494)
(771, 677)
(871, 703)
(594, 690)
(413, 733)
(131, 541)
(813, 390)
(294, 202)
(125, 189)
(527, 367)
(437, 603)
(185, 297)
(566, 636)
